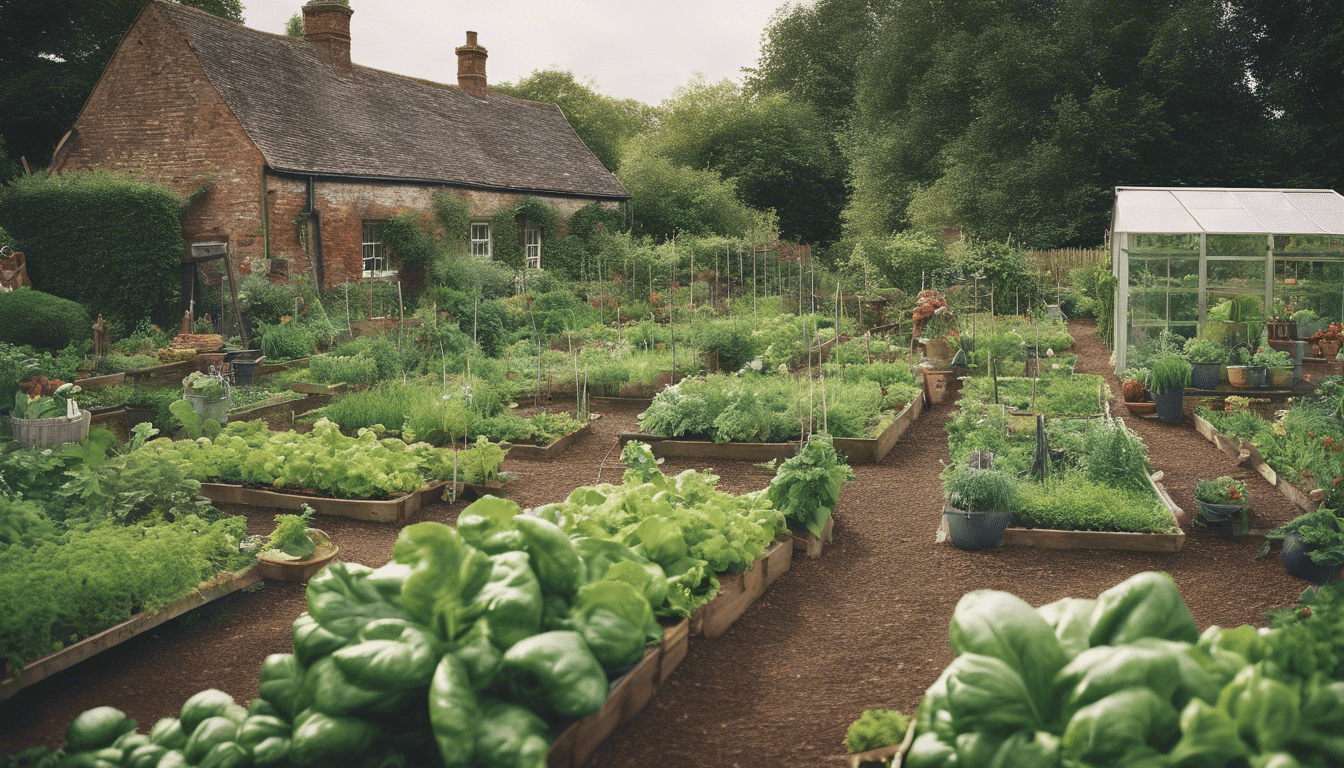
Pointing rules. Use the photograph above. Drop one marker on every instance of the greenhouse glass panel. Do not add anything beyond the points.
(1163, 288)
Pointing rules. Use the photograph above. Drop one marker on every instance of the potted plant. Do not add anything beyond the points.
(1275, 362)
(45, 413)
(295, 551)
(1313, 546)
(1239, 367)
(208, 394)
(1224, 500)
(1328, 341)
(1206, 361)
(1308, 323)
(979, 506)
(933, 320)
(1281, 326)
(1134, 389)
(1168, 376)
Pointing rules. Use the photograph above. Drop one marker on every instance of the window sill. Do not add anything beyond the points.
(380, 274)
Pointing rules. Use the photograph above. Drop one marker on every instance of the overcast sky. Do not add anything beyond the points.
(639, 49)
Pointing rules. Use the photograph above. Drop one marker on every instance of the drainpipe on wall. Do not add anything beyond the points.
(315, 216)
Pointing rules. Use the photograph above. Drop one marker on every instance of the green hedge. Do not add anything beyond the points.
(42, 320)
(105, 240)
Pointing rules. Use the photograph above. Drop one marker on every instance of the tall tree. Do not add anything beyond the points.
(602, 122)
(52, 54)
(775, 149)
(1018, 117)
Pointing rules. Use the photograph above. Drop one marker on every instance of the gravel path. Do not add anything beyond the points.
(864, 626)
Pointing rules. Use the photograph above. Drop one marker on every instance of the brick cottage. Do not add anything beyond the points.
(301, 153)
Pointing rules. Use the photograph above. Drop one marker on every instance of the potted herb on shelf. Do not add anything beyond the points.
(295, 552)
(1206, 362)
(1239, 368)
(1313, 546)
(1224, 500)
(1168, 377)
(979, 506)
(1328, 341)
(1278, 366)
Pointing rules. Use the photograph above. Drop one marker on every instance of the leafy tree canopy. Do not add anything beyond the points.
(52, 54)
(604, 123)
(668, 199)
(775, 149)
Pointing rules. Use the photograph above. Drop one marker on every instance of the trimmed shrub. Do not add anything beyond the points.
(41, 319)
(105, 240)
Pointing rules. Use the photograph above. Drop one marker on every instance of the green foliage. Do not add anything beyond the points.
(1073, 501)
(290, 536)
(106, 241)
(453, 213)
(41, 319)
(1202, 350)
(905, 261)
(358, 370)
(287, 341)
(978, 490)
(876, 728)
(1170, 371)
(1222, 490)
(1117, 457)
(604, 123)
(669, 199)
(481, 462)
(806, 487)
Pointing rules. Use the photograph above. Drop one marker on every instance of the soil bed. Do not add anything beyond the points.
(863, 626)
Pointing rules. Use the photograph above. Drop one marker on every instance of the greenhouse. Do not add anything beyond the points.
(1221, 262)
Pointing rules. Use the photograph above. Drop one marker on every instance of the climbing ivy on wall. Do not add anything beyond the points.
(507, 229)
(107, 241)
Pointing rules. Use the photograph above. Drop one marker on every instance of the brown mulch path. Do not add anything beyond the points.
(864, 626)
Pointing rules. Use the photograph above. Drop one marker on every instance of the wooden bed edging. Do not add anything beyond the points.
(264, 409)
(396, 510)
(856, 449)
(630, 693)
(806, 542)
(1248, 455)
(550, 452)
(67, 657)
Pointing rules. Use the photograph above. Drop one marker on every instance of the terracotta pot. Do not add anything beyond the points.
(1237, 375)
(1328, 348)
(1280, 376)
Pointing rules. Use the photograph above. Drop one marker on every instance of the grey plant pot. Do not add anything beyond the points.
(976, 530)
(1169, 403)
(1204, 375)
(1299, 565)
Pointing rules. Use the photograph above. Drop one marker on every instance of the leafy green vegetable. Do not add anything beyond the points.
(453, 712)
(876, 728)
(96, 728)
(806, 487)
(1144, 605)
(555, 670)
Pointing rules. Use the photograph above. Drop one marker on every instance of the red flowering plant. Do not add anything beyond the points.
(1224, 490)
(1226, 493)
(932, 317)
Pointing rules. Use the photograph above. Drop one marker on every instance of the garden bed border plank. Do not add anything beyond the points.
(549, 452)
(396, 510)
(224, 584)
(811, 544)
(1248, 455)
(264, 409)
(862, 450)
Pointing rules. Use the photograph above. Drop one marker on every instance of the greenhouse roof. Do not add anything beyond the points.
(1190, 210)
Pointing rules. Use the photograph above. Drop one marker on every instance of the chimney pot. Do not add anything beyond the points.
(326, 26)
(471, 67)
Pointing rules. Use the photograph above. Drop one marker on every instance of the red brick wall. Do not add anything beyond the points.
(345, 205)
(155, 115)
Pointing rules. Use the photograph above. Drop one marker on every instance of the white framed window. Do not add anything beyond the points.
(480, 239)
(532, 246)
(376, 258)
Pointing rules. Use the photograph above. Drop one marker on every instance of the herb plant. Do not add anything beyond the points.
(290, 536)
(876, 728)
(806, 487)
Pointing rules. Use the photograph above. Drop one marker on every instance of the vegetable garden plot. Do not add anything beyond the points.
(1089, 483)
(1247, 454)
(225, 584)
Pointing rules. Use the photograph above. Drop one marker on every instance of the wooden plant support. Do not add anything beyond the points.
(224, 584)
(811, 544)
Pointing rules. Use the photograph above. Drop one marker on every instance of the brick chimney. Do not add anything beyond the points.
(326, 26)
(471, 67)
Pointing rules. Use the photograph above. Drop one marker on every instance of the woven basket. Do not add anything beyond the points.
(42, 433)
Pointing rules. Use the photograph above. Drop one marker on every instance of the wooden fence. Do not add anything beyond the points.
(1058, 261)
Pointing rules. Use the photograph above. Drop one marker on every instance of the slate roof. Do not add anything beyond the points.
(306, 119)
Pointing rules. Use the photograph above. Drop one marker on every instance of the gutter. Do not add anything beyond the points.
(442, 183)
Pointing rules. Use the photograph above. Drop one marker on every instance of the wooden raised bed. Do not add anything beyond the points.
(807, 542)
(285, 407)
(737, 591)
(552, 451)
(1248, 455)
(311, 388)
(1137, 542)
(856, 449)
(67, 657)
(266, 368)
(628, 696)
(397, 510)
